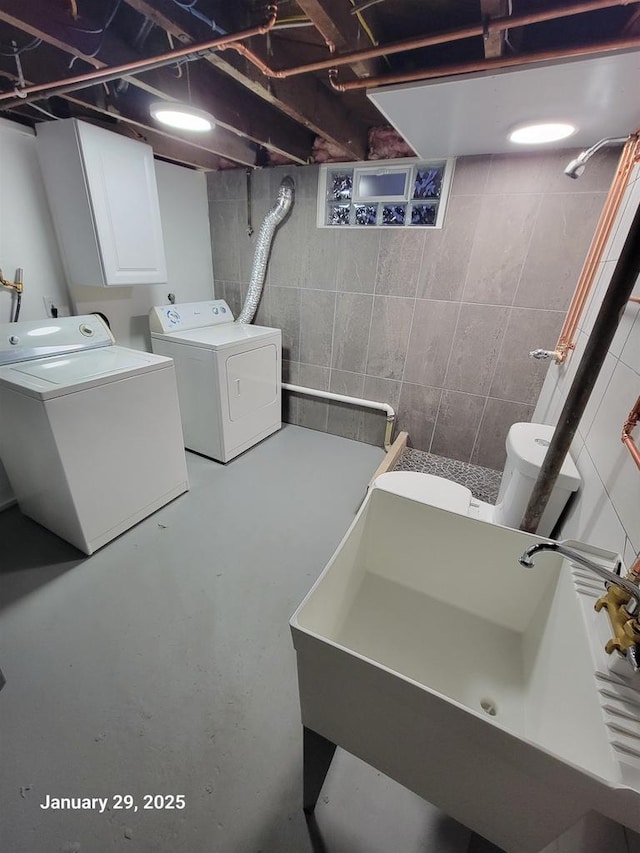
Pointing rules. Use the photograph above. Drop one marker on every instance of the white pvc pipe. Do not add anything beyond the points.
(353, 401)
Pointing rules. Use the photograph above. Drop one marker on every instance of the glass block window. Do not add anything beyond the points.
(394, 214)
(428, 182)
(424, 214)
(384, 194)
(340, 185)
(338, 214)
(365, 214)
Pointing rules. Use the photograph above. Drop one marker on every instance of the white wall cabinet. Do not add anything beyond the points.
(104, 202)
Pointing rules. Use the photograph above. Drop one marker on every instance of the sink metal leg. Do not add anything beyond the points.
(317, 755)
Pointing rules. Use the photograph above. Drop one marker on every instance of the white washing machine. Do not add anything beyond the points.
(229, 375)
(90, 432)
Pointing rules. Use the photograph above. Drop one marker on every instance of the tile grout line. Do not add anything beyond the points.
(528, 249)
(477, 435)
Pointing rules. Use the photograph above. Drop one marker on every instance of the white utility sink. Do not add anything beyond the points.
(426, 650)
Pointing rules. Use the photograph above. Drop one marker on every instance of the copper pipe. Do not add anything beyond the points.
(493, 25)
(139, 66)
(566, 340)
(629, 425)
(625, 275)
(603, 230)
(634, 299)
(482, 65)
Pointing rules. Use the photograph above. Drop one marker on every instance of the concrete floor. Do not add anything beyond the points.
(163, 664)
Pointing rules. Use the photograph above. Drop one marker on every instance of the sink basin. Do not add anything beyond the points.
(427, 651)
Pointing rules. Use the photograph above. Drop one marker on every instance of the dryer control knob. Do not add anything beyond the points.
(86, 330)
(14, 339)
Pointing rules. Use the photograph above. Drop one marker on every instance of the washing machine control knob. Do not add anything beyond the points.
(86, 330)
(14, 339)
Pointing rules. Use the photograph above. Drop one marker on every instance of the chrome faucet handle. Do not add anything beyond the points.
(633, 656)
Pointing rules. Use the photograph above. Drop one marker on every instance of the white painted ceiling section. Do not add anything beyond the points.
(474, 114)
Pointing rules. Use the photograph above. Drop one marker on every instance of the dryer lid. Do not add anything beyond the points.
(219, 337)
(46, 378)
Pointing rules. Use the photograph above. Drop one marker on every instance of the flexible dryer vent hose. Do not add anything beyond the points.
(265, 237)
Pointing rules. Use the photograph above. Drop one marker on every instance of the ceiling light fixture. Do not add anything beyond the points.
(540, 132)
(182, 116)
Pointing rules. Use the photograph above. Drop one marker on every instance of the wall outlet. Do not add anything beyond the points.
(53, 307)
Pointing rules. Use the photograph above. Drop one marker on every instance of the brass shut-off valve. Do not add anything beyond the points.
(625, 627)
(16, 285)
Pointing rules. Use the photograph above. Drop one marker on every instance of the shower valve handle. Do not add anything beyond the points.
(542, 354)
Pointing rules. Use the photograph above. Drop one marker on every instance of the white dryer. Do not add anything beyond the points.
(90, 432)
(229, 375)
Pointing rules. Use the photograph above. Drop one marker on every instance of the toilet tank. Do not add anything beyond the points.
(526, 449)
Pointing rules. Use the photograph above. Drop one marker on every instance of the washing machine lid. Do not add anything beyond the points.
(219, 337)
(527, 446)
(426, 488)
(46, 378)
(40, 338)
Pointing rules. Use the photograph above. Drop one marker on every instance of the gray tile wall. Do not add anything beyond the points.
(437, 323)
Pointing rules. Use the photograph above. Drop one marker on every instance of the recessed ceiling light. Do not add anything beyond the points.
(182, 116)
(536, 134)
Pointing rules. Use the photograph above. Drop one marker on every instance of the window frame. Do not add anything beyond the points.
(407, 165)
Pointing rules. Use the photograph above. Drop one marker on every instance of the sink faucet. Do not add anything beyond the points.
(633, 605)
(622, 600)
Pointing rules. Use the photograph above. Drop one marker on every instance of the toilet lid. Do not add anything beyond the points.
(426, 488)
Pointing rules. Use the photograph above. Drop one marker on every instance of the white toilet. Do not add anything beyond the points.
(526, 448)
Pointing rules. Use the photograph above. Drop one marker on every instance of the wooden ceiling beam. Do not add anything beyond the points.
(338, 27)
(494, 42)
(202, 151)
(233, 107)
(304, 99)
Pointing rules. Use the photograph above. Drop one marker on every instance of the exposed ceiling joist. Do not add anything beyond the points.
(273, 86)
(203, 153)
(234, 108)
(494, 42)
(338, 27)
(306, 101)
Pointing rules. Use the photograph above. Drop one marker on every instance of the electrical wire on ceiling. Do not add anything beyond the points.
(102, 32)
(357, 11)
(192, 10)
(41, 110)
(14, 50)
(506, 32)
(360, 7)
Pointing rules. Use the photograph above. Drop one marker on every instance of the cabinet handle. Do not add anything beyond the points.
(237, 387)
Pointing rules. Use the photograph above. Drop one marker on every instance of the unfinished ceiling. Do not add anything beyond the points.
(277, 78)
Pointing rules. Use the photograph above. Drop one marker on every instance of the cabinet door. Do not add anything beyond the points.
(124, 198)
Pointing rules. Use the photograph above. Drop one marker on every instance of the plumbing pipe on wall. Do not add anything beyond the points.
(620, 288)
(629, 425)
(352, 401)
(628, 158)
(271, 221)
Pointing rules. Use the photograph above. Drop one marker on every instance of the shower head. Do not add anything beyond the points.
(577, 166)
